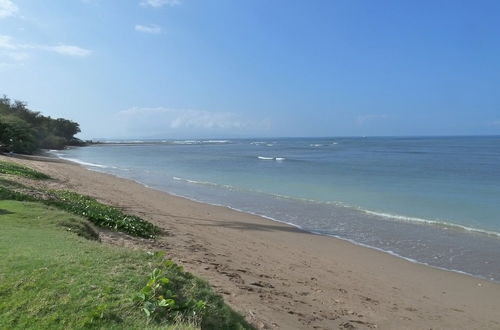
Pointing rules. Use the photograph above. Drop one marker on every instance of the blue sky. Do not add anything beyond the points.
(225, 68)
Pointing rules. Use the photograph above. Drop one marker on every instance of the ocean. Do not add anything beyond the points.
(432, 200)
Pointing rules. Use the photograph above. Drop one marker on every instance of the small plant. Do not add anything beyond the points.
(19, 170)
(158, 299)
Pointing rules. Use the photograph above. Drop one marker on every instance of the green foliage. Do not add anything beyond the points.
(171, 293)
(16, 135)
(53, 142)
(19, 170)
(102, 215)
(25, 131)
(159, 300)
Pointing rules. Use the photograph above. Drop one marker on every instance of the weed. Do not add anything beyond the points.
(159, 300)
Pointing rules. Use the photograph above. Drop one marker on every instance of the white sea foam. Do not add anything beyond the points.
(315, 145)
(217, 141)
(279, 159)
(176, 178)
(81, 162)
(430, 222)
(201, 142)
(186, 142)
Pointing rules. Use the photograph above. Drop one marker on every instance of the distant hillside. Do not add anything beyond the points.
(25, 131)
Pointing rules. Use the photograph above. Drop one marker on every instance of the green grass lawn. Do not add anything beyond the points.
(50, 277)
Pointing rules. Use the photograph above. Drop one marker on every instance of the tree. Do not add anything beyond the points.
(16, 136)
(66, 128)
(25, 131)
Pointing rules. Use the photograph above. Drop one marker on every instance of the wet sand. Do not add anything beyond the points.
(280, 277)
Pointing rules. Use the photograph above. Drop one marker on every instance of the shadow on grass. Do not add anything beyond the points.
(3, 212)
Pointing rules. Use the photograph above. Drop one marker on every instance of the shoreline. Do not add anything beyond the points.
(353, 242)
(360, 286)
(412, 220)
(479, 264)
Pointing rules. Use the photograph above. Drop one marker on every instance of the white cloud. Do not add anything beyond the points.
(160, 3)
(7, 42)
(18, 56)
(70, 50)
(151, 29)
(362, 119)
(7, 8)
(179, 119)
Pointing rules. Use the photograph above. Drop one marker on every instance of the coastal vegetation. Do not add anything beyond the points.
(56, 271)
(25, 131)
(98, 213)
(19, 170)
(101, 214)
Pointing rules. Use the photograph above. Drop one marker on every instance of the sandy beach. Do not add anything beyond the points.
(280, 277)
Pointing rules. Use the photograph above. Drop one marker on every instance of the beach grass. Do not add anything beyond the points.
(23, 171)
(52, 277)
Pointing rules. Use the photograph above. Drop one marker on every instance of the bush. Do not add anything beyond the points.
(102, 215)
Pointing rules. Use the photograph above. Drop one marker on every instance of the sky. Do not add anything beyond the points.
(256, 68)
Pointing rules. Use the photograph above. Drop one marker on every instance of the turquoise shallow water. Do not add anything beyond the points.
(433, 200)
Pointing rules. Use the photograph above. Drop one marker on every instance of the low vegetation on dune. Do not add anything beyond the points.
(98, 213)
(19, 170)
(102, 215)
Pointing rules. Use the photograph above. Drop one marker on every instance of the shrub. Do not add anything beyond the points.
(102, 215)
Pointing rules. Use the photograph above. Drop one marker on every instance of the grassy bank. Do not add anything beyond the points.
(54, 273)
(52, 278)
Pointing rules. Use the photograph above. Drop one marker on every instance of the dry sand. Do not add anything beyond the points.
(281, 277)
